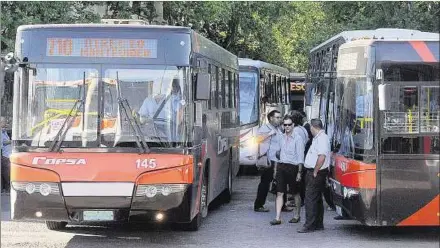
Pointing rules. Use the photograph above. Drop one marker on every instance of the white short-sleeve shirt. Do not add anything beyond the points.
(320, 146)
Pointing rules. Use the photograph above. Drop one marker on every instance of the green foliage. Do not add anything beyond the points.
(277, 32)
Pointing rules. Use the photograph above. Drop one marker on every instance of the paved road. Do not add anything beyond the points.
(232, 225)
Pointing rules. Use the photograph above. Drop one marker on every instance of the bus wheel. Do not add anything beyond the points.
(227, 194)
(55, 225)
(195, 224)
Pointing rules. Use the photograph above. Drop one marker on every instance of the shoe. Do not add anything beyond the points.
(286, 209)
(261, 209)
(305, 230)
(338, 217)
(295, 220)
(275, 222)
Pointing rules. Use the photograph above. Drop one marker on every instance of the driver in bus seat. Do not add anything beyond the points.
(170, 111)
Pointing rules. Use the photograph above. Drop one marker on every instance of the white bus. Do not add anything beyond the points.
(263, 88)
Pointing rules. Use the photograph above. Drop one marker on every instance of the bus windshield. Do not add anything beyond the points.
(67, 97)
(155, 98)
(248, 97)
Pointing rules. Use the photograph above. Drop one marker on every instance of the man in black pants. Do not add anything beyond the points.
(267, 134)
(316, 163)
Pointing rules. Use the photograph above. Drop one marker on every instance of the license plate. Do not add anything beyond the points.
(98, 215)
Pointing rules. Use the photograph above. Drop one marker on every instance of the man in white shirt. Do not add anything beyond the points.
(288, 169)
(316, 163)
(267, 134)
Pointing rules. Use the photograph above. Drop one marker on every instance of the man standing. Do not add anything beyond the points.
(6, 153)
(288, 170)
(268, 134)
(316, 163)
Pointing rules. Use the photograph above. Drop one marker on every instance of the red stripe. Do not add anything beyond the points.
(423, 51)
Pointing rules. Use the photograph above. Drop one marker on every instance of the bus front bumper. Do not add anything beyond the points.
(175, 207)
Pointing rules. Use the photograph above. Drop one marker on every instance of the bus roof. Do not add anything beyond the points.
(261, 64)
(400, 50)
(381, 33)
(103, 27)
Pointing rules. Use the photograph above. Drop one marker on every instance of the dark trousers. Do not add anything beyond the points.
(6, 170)
(264, 186)
(313, 199)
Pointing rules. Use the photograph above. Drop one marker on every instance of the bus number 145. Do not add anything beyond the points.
(146, 163)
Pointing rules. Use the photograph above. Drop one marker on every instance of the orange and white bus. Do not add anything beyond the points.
(122, 123)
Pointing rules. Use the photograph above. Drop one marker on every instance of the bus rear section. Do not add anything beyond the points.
(105, 130)
(386, 160)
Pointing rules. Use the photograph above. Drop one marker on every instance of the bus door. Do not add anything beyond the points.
(408, 164)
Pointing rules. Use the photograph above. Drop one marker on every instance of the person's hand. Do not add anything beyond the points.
(315, 173)
(298, 176)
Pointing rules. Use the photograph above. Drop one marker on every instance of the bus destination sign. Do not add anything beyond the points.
(102, 47)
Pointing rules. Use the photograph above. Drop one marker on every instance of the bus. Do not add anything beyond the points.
(297, 90)
(122, 123)
(263, 87)
(377, 91)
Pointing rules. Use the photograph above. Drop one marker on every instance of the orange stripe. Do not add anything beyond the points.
(423, 51)
(354, 174)
(28, 174)
(182, 174)
(427, 216)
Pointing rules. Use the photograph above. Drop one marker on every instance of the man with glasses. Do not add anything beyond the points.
(288, 169)
(267, 134)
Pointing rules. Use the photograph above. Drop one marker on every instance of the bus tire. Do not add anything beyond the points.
(227, 194)
(55, 225)
(195, 224)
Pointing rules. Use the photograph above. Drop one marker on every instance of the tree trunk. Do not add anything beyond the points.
(158, 9)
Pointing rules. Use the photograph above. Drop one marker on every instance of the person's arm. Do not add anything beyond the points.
(300, 151)
(323, 151)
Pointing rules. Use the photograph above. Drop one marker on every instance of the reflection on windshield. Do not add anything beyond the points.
(248, 97)
(48, 100)
(156, 99)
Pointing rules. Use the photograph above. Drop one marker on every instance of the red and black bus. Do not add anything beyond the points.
(378, 94)
(122, 123)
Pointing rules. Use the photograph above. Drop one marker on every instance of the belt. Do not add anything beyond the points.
(312, 169)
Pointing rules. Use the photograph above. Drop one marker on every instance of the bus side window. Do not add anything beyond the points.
(230, 90)
(226, 88)
(217, 88)
(223, 91)
(210, 82)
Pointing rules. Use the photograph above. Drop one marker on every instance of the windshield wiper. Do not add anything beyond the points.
(123, 103)
(61, 134)
(59, 138)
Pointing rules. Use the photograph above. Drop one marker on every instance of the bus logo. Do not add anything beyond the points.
(222, 145)
(58, 161)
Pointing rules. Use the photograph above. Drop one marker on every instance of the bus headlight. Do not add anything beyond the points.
(44, 188)
(150, 191)
(155, 189)
(30, 188)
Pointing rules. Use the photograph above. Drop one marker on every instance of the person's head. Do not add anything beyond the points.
(288, 124)
(274, 117)
(297, 117)
(175, 87)
(315, 126)
(2, 122)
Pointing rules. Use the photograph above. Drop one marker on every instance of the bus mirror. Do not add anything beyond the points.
(384, 91)
(203, 87)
